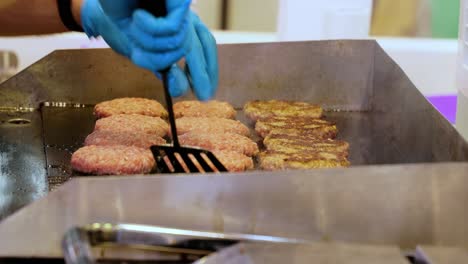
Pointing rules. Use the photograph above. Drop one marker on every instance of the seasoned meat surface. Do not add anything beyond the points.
(133, 123)
(287, 143)
(130, 105)
(272, 160)
(234, 161)
(317, 128)
(112, 160)
(258, 110)
(219, 142)
(125, 138)
(211, 125)
(294, 136)
(204, 109)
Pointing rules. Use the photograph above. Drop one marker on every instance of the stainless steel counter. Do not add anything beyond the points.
(386, 198)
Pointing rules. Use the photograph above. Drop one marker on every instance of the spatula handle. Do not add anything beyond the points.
(170, 109)
(158, 9)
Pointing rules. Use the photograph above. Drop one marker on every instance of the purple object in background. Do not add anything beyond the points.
(94, 43)
(446, 104)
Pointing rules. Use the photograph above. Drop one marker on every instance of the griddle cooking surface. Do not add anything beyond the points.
(66, 126)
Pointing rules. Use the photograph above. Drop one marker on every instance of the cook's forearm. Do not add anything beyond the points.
(33, 17)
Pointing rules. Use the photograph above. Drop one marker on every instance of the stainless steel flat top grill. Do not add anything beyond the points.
(46, 112)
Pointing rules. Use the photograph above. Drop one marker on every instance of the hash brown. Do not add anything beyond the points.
(272, 160)
(220, 142)
(258, 110)
(286, 143)
(318, 128)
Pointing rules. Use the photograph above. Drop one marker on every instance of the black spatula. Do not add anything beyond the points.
(177, 159)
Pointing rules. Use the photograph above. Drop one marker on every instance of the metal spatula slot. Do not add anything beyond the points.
(177, 159)
(172, 159)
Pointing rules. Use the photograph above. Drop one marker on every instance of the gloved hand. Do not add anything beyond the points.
(157, 43)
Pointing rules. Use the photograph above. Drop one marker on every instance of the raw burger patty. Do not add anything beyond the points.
(307, 126)
(140, 106)
(125, 138)
(112, 160)
(211, 125)
(204, 109)
(256, 110)
(219, 142)
(133, 123)
(272, 160)
(234, 161)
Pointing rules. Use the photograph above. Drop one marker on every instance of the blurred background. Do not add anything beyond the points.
(408, 18)
(420, 35)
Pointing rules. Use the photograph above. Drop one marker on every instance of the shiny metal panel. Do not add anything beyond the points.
(23, 177)
(441, 255)
(377, 108)
(322, 72)
(302, 254)
(393, 205)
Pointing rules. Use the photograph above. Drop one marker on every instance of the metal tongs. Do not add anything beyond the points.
(78, 242)
(177, 159)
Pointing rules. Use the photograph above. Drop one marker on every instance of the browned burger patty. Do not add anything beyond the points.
(219, 142)
(302, 160)
(234, 161)
(141, 106)
(204, 109)
(211, 125)
(306, 126)
(257, 110)
(133, 123)
(125, 138)
(112, 160)
(286, 143)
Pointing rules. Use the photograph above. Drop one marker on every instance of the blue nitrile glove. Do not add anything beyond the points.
(157, 43)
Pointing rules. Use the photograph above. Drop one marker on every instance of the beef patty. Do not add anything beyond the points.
(210, 125)
(112, 160)
(234, 161)
(133, 123)
(125, 138)
(204, 109)
(130, 105)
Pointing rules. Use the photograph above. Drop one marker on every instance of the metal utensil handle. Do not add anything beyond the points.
(158, 9)
(170, 109)
(155, 7)
(76, 247)
(78, 241)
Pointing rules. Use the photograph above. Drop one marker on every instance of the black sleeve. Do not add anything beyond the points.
(65, 12)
